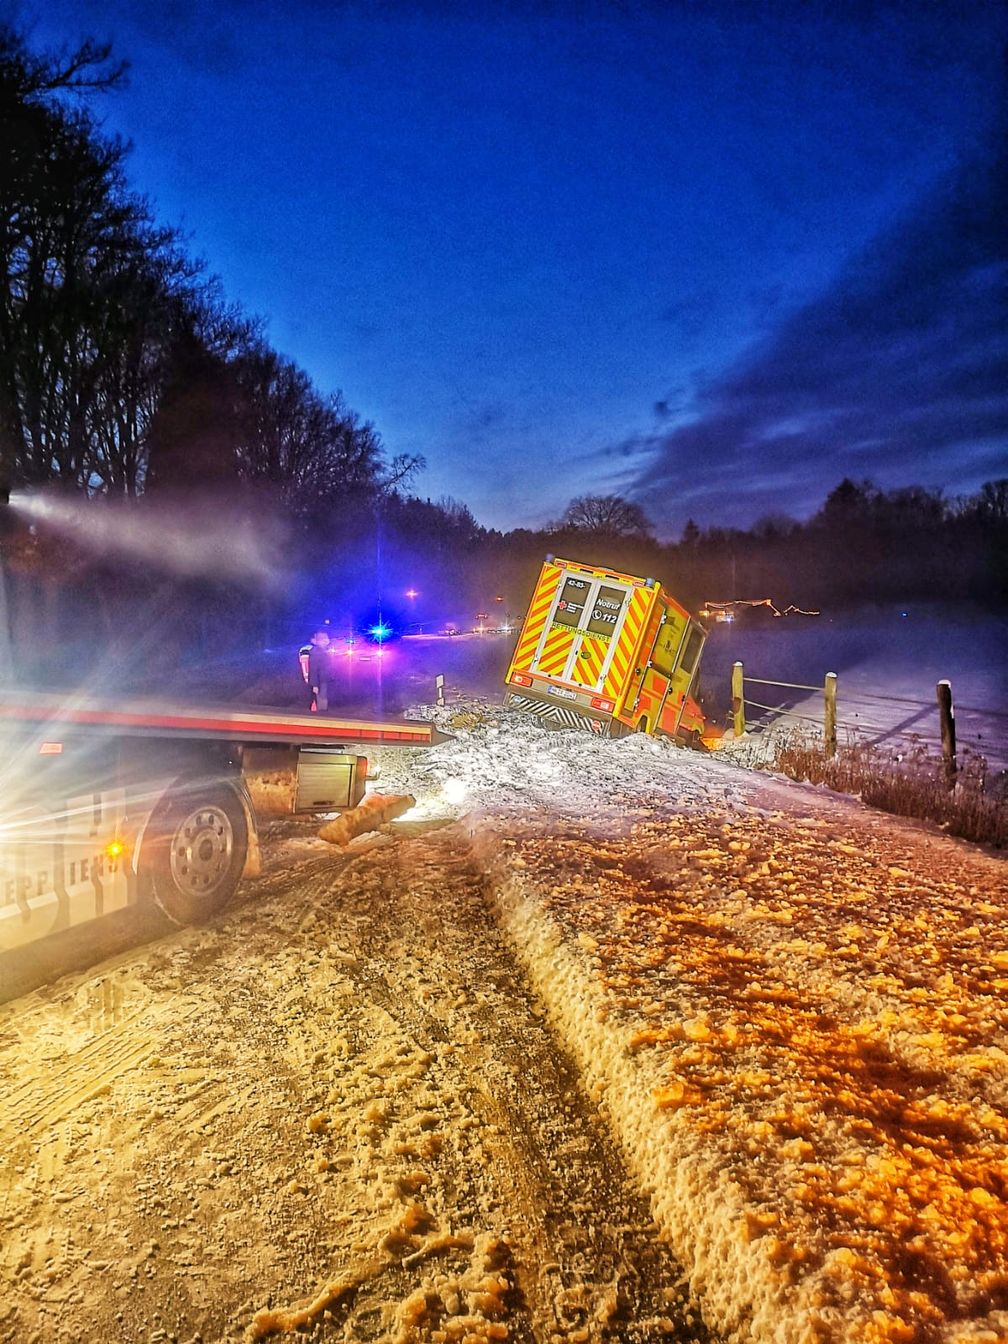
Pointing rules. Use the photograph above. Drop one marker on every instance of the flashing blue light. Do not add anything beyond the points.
(378, 625)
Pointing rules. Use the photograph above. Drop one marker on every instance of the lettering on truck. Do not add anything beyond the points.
(41, 883)
(59, 866)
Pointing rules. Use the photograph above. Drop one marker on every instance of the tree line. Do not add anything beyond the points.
(123, 371)
(864, 544)
(127, 381)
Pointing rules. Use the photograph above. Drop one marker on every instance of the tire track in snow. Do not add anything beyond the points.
(585, 1251)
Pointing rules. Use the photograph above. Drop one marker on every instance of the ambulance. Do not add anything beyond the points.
(610, 653)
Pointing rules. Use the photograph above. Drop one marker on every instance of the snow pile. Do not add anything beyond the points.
(503, 760)
(795, 1013)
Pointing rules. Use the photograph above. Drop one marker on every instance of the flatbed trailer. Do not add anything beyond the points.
(153, 718)
(106, 805)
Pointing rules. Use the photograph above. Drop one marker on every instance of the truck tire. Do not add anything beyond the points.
(194, 851)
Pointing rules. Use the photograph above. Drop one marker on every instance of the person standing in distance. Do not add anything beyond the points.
(318, 672)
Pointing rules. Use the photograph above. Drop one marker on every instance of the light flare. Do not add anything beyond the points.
(210, 537)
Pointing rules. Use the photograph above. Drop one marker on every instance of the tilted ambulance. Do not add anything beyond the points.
(607, 652)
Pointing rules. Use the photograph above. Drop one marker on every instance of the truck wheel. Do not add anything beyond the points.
(195, 852)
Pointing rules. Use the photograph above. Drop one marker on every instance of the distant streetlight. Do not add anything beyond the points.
(411, 593)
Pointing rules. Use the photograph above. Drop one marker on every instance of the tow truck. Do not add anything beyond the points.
(107, 805)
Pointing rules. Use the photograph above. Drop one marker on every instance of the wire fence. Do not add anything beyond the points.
(860, 716)
(790, 685)
(784, 713)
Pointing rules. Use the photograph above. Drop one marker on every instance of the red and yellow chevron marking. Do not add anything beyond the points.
(542, 599)
(555, 651)
(641, 602)
(588, 663)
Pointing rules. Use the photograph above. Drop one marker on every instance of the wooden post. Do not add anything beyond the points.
(439, 688)
(737, 699)
(829, 714)
(946, 715)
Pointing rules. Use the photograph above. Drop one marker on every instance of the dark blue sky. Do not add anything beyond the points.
(711, 255)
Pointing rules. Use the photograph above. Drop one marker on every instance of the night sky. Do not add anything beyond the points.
(714, 256)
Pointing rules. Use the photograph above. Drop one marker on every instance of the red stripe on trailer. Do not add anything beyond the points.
(324, 729)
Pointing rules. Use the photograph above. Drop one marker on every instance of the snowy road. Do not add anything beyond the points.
(343, 1107)
(342, 1094)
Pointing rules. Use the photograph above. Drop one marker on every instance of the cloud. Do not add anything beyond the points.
(899, 372)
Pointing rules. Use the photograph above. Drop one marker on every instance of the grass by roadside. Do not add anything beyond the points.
(908, 782)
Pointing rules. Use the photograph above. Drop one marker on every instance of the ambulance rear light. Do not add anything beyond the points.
(607, 706)
(522, 679)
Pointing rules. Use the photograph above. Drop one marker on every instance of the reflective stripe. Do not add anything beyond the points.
(570, 718)
(555, 650)
(245, 727)
(588, 663)
(542, 600)
(626, 645)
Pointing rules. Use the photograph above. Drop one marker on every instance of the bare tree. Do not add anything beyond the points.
(313, 451)
(33, 77)
(992, 500)
(121, 368)
(609, 514)
(84, 268)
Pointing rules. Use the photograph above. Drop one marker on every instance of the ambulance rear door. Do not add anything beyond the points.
(593, 630)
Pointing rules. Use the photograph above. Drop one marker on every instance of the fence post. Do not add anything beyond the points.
(737, 699)
(829, 714)
(946, 715)
(439, 688)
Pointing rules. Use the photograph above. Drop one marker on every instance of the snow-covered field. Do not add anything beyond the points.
(888, 661)
(435, 1088)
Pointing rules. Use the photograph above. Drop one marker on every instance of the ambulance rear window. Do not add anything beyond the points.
(692, 651)
(606, 611)
(572, 600)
